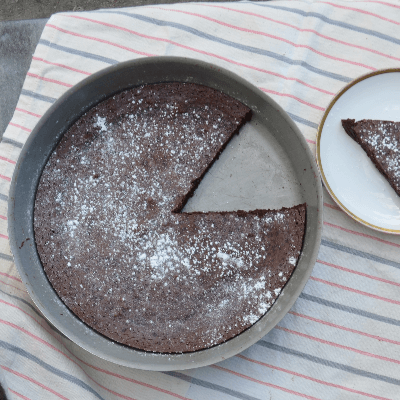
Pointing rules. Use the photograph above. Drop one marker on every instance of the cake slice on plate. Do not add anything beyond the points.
(381, 141)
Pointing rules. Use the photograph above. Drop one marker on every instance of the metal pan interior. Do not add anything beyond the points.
(271, 165)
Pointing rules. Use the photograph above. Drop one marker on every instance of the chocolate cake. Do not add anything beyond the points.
(381, 141)
(113, 239)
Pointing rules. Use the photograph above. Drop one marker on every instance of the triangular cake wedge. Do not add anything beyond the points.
(381, 141)
(117, 248)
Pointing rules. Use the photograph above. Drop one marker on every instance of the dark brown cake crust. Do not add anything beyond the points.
(114, 245)
(381, 141)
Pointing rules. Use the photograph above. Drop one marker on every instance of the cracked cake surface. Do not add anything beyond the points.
(118, 250)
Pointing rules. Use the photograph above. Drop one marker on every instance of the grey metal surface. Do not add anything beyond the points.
(18, 40)
(268, 165)
(24, 9)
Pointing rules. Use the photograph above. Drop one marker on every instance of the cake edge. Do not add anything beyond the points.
(196, 182)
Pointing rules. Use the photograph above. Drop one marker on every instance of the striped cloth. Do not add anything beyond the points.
(341, 339)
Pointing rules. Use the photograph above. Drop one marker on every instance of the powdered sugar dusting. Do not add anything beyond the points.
(381, 140)
(147, 276)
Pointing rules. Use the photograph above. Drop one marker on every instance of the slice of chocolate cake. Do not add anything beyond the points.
(117, 248)
(381, 141)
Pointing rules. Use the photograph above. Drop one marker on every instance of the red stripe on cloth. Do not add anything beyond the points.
(28, 112)
(45, 327)
(8, 160)
(36, 338)
(264, 383)
(83, 362)
(59, 351)
(9, 180)
(61, 65)
(382, 2)
(333, 207)
(134, 381)
(310, 141)
(33, 381)
(293, 97)
(42, 78)
(374, 296)
(307, 30)
(320, 321)
(7, 284)
(97, 39)
(114, 393)
(310, 378)
(340, 346)
(10, 276)
(362, 234)
(18, 394)
(19, 126)
(205, 53)
(1, 235)
(3, 217)
(279, 38)
(360, 11)
(358, 273)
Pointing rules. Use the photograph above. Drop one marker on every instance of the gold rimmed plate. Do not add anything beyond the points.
(348, 174)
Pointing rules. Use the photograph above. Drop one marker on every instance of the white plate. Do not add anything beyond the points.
(348, 174)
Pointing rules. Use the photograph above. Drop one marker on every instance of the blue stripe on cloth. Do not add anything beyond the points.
(6, 257)
(38, 96)
(3, 197)
(50, 368)
(226, 42)
(359, 253)
(302, 120)
(12, 142)
(81, 53)
(328, 363)
(331, 21)
(209, 385)
(348, 309)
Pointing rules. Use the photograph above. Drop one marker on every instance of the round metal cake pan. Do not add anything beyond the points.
(285, 150)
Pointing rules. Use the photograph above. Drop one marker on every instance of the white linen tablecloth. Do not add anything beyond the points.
(341, 340)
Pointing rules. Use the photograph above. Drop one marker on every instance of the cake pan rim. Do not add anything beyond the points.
(158, 361)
